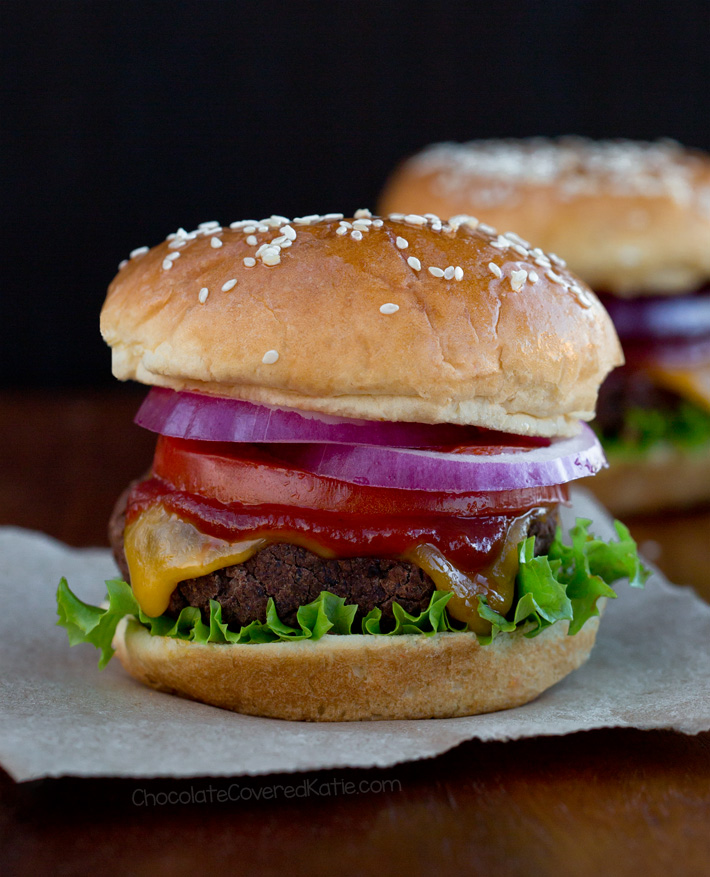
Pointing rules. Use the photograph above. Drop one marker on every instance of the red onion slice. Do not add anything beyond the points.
(561, 461)
(660, 316)
(216, 419)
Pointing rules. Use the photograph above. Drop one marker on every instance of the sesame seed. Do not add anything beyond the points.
(363, 213)
(516, 239)
(555, 278)
(252, 241)
(436, 272)
(332, 216)
(167, 264)
(449, 273)
(362, 224)
(413, 262)
(341, 230)
(281, 239)
(249, 229)
(377, 223)
(415, 219)
(249, 262)
(230, 284)
(396, 217)
(486, 229)
(306, 220)
(270, 357)
(520, 250)
(556, 259)
(532, 277)
(240, 224)
(263, 228)
(289, 232)
(436, 225)
(517, 279)
(173, 256)
(271, 256)
(432, 217)
(278, 220)
(345, 224)
(122, 264)
(212, 224)
(215, 243)
(287, 243)
(582, 296)
(204, 292)
(458, 272)
(176, 244)
(494, 269)
(402, 243)
(138, 252)
(542, 262)
(389, 308)
(356, 235)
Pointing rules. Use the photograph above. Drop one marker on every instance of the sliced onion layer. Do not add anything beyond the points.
(563, 460)
(215, 419)
(660, 316)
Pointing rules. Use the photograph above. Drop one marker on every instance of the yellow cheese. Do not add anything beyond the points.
(691, 383)
(162, 550)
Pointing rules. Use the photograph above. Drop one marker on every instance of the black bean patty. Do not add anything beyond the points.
(294, 576)
(624, 390)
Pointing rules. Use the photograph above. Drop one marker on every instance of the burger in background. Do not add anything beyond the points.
(363, 446)
(633, 220)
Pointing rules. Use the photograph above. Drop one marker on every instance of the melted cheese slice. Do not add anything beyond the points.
(691, 383)
(163, 550)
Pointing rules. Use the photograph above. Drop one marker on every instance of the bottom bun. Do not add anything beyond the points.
(666, 480)
(347, 678)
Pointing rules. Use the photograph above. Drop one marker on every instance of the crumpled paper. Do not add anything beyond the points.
(60, 716)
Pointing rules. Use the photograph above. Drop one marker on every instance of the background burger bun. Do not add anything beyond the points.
(630, 218)
(666, 479)
(311, 326)
(346, 678)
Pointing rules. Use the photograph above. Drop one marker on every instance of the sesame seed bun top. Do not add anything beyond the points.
(629, 217)
(406, 318)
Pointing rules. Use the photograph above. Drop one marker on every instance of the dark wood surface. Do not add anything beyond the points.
(604, 802)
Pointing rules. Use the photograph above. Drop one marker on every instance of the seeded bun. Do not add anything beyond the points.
(346, 678)
(629, 218)
(403, 319)
(666, 479)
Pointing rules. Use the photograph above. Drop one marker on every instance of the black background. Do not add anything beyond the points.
(123, 120)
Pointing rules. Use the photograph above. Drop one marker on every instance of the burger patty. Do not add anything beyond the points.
(294, 576)
(624, 390)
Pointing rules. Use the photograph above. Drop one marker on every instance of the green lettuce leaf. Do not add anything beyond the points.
(567, 582)
(564, 585)
(327, 614)
(645, 430)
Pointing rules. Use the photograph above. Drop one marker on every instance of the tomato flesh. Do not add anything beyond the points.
(253, 475)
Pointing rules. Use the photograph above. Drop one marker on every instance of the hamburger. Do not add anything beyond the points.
(633, 220)
(366, 428)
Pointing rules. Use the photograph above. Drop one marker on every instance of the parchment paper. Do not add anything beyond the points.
(60, 716)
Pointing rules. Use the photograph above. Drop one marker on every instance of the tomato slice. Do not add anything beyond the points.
(254, 475)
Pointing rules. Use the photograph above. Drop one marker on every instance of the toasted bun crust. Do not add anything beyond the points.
(665, 480)
(347, 678)
(500, 352)
(629, 218)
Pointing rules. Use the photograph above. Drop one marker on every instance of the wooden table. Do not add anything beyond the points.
(596, 803)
